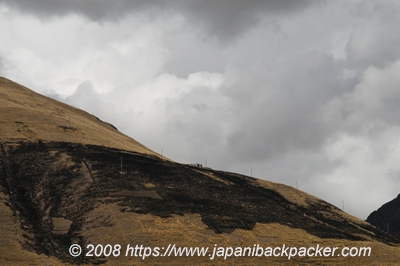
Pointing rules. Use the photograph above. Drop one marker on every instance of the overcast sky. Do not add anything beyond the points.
(290, 91)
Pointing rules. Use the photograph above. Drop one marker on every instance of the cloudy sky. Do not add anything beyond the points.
(289, 91)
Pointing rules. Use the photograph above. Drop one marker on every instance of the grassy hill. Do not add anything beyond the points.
(28, 116)
(61, 184)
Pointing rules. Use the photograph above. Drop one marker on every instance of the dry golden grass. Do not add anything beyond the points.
(29, 116)
(212, 176)
(106, 224)
(304, 199)
(188, 230)
(289, 193)
(11, 252)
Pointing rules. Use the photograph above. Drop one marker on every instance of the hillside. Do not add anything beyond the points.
(28, 116)
(387, 217)
(93, 185)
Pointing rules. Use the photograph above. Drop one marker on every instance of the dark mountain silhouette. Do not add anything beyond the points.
(387, 217)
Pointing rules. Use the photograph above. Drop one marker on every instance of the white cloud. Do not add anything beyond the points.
(365, 166)
(308, 93)
(62, 53)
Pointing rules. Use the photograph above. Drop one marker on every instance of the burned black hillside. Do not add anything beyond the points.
(64, 180)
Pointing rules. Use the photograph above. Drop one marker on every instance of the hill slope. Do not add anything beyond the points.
(387, 217)
(28, 116)
(67, 190)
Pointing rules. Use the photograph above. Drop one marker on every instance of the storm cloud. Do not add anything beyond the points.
(223, 19)
(298, 92)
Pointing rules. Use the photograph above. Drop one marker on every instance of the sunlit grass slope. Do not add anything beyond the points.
(28, 116)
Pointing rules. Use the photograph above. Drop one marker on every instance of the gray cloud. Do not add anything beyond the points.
(86, 97)
(225, 19)
(6, 66)
(373, 44)
(284, 114)
(266, 112)
(1, 66)
(373, 41)
(296, 92)
(92, 9)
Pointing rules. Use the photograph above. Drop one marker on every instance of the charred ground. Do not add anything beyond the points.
(69, 180)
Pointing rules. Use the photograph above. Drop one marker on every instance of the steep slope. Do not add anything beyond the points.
(387, 217)
(57, 189)
(28, 116)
